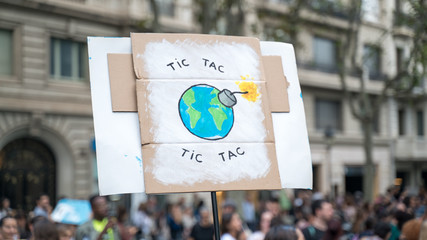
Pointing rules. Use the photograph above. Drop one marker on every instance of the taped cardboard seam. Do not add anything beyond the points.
(123, 94)
(271, 181)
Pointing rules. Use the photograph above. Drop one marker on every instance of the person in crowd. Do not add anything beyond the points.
(382, 231)
(144, 221)
(43, 207)
(273, 206)
(188, 220)
(323, 212)
(264, 226)
(248, 211)
(231, 227)
(23, 229)
(100, 227)
(45, 230)
(402, 216)
(174, 220)
(8, 228)
(411, 203)
(229, 206)
(197, 205)
(65, 232)
(5, 209)
(33, 222)
(284, 232)
(126, 232)
(423, 228)
(203, 229)
(411, 229)
(369, 228)
(357, 224)
(349, 208)
(334, 230)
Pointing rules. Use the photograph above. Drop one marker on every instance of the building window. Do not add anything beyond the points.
(371, 59)
(166, 7)
(399, 59)
(68, 60)
(371, 10)
(353, 179)
(328, 114)
(6, 52)
(376, 123)
(325, 54)
(420, 123)
(401, 119)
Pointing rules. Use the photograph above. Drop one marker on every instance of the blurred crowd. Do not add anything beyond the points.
(301, 215)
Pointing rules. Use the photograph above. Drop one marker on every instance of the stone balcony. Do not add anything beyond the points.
(411, 148)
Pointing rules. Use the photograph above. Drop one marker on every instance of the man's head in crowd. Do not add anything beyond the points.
(205, 218)
(43, 201)
(99, 207)
(322, 209)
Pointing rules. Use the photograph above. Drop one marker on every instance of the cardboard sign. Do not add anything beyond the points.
(117, 138)
(72, 211)
(204, 114)
(290, 130)
(161, 141)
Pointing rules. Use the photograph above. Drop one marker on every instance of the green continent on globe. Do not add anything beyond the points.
(217, 110)
(189, 99)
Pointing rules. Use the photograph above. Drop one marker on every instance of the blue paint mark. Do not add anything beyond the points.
(126, 155)
(140, 163)
(300, 94)
(90, 58)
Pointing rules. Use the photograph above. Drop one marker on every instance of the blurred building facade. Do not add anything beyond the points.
(46, 127)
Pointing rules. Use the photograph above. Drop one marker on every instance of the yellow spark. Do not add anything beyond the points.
(252, 90)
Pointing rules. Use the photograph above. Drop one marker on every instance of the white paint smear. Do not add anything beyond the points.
(252, 164)
(235, 58)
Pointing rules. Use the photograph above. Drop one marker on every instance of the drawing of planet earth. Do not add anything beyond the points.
(203, 114)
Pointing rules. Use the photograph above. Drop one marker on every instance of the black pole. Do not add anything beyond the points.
(215, 215)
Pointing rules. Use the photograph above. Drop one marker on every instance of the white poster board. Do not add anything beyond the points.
(118, 142)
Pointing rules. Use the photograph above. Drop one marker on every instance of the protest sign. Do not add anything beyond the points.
(117, 138)
(204, 114)
(183, 130)
(71, 211)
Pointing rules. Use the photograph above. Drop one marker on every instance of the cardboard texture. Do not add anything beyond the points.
(277, 84)
(117, 139)
(148, 122)
(122, 82)
(121, 167)
(232, 179)
(290, 131)
(196, 102)
(140, 41)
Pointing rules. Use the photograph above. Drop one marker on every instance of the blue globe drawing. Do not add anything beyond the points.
(203, 114)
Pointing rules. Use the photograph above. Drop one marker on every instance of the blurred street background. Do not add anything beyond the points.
(362, 69)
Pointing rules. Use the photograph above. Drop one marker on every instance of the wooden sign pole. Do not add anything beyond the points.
(215, 215)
